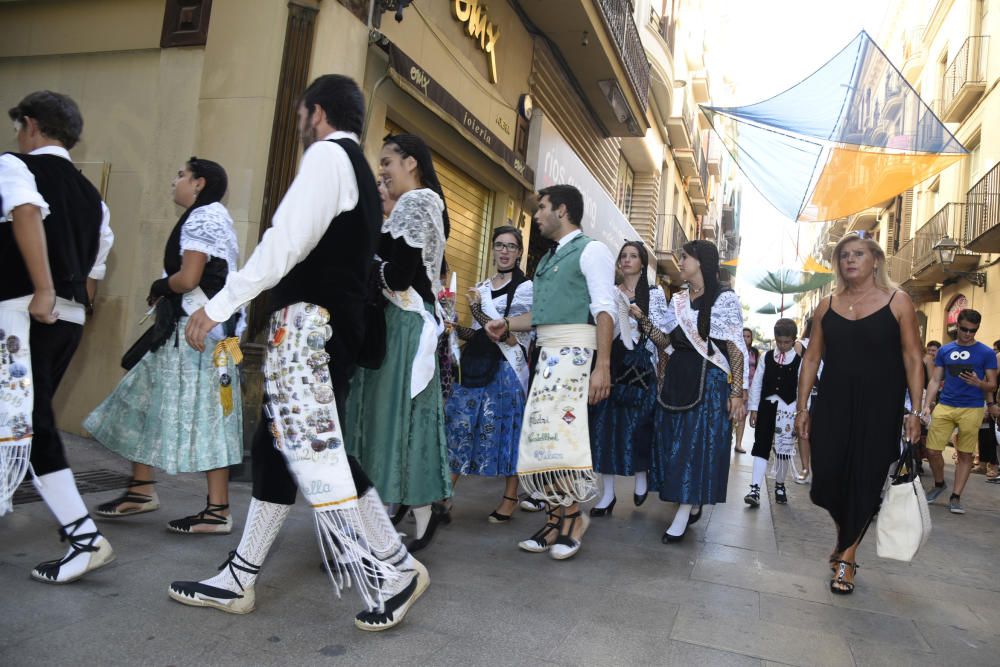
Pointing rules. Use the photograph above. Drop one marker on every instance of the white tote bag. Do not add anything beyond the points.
(904, 521)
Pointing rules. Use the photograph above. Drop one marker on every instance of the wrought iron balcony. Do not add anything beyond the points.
(617, 16)
(918, 261)
(982, 213)
(965, 79)
(670, 237)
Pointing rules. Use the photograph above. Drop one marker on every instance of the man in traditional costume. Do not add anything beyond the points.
(316, 259)
(48, 274)
(573, 314)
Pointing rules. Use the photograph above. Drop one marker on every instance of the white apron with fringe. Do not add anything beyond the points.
(554, 460)
(306, 429)
(425, 360)
(17, 398)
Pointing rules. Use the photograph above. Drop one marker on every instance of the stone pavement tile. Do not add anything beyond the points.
(740, 535)
(697, 595)
(908, 606)
(919, 583)
(685, 654)
(780, 562)
(871, 653)
(851, 624)
(761, 639)
(960, 643)
(757, 577)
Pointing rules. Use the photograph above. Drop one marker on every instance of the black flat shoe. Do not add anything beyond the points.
(693, 518)
(497, 517)
(604, 511)
(400, 514)
(670, 539)
(424, 540)
(639, 500)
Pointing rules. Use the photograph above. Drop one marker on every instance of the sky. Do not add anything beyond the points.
(757, 48)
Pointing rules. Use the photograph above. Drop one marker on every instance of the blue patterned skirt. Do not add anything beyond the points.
(621, 428)
(483, 425)
(690, 462)
(166, 412)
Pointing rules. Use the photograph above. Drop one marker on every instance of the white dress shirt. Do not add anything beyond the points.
(598, 268)
(325, 187)
(782, 359)
(18, 187)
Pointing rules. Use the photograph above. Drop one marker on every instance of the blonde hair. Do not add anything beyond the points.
(882, 279)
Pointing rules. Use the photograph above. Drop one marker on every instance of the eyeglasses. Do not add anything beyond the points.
(967, 330)
(511, 247)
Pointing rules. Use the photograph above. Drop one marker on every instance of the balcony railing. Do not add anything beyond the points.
(982, 208)
(918, 253)
(966, 72)
(618, 18)
(670, 233)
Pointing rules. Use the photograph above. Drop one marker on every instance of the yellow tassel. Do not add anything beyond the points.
(228, 347)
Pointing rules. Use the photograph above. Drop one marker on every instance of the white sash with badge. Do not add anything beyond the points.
(514, 354)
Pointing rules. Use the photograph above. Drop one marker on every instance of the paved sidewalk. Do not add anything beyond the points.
(745, 588)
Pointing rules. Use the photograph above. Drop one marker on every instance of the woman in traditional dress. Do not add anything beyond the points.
(621, 426)
(395, 414)
(702, 392)
(483, 415)
(753, 357)
(867, 338)
(179, 409)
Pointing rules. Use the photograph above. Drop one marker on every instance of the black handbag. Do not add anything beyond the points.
(480, 360)
(372, 352)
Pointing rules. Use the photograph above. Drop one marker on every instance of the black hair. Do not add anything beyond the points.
(340, 98)
(969, 315)
(937, 343)
(785, 327)
(641, 287)
(57, 115)
(410, 145)
(568, 195)
(748, 330)
(807, 330)
(508, 229)
(216, 181)
(708, 256)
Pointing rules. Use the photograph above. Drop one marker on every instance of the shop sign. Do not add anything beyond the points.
(557, 163)
(479, 27)
(958, 305)
(425, 86)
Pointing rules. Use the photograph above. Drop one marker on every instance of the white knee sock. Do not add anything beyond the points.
(780, 471)
(640, 483)
(680, 520)
(264, 521)
(384, 541)
(608, 482)
(422, 515)
(58, 490)
(759, 468)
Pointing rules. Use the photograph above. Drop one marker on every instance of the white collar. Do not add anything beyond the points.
(569, 237)
(339, 134)
(52, 150)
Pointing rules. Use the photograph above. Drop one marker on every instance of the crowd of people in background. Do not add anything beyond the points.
(583, 373)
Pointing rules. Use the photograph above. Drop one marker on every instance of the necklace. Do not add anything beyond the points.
(856, 301)
(695, 290)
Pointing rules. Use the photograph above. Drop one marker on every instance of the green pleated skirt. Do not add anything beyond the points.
(399, 441)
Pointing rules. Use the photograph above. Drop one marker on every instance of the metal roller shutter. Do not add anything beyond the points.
(470, 207)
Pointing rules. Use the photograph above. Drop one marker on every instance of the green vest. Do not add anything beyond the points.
(560, 288)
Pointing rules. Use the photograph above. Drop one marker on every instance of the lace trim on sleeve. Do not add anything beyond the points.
(465, 333)
(417, 218)
(209, 229)
(650, 331)
(478, 314)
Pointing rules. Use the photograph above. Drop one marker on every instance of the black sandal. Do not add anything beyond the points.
(539, 542)
(81, 543)
(147, 503)
(840, 577)
(219, 524)
(496, 517)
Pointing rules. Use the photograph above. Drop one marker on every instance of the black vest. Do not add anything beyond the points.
(780, 380)
(72, 231)
(335, 274)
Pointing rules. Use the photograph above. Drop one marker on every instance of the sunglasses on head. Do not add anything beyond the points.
(967, 330)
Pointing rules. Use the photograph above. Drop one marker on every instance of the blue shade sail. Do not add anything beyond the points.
(849, 136)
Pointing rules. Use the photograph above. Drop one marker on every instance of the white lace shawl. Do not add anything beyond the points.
(417, 218)
(657, 315)
(523, 296)
(726, 324)
(209, 229)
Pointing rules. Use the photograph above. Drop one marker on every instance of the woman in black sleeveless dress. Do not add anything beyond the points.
(866, 335)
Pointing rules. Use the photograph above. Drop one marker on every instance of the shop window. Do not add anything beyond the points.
(626, 182)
